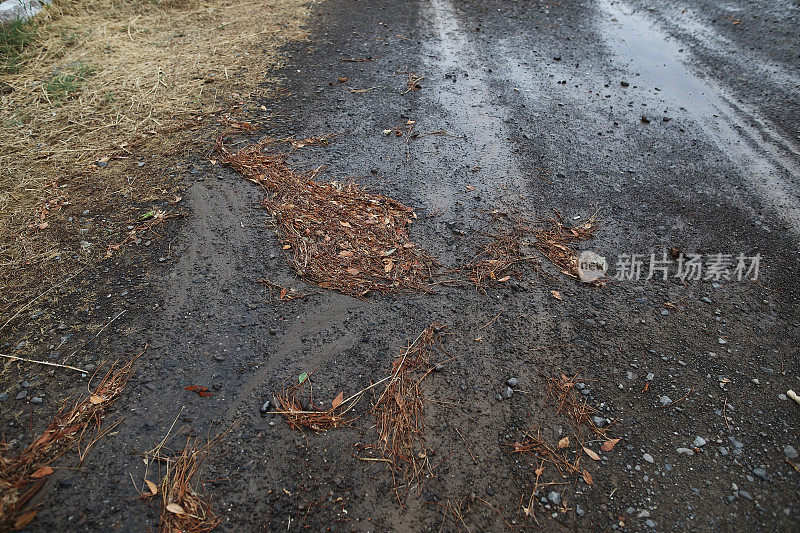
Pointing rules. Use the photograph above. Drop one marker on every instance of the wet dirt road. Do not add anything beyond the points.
(679, 124)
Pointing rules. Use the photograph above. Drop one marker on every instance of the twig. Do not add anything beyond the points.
(15, 358)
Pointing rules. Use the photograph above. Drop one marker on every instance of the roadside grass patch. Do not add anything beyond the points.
(16, 39)
(62, 86)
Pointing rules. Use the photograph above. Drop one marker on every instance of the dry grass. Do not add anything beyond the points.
(22, 477)
(336, 235)
(554, 241)
(497, 260)
(124, 79)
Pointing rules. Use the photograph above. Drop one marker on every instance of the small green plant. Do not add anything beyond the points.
(15, 38)
(62, 86)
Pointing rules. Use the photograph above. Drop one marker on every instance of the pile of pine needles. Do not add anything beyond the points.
(555, 238)
(21, 478)
(184, 509)
(291, 406)
(336, 234)
(400, 411)
(497, 260)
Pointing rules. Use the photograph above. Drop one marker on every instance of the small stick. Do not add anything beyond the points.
(466, 445)
(492, 320)
(15, 358)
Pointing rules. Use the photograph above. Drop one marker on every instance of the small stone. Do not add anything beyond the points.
(630, 510)
(507, 393)
(4, 397)
(644, 513)
(599, 421)
(699, 442)
(745, 494)
(512, 382)
(722, 341)
(686, 451)
(624, 83)
(21, 394)
(265, 407)
(760, 472)
(645, 119)
(649, 523)
(580, 511)
(664, 400)
(554, 497)
(650, 376)
(790, 452)
(36, 399)
(647, 457)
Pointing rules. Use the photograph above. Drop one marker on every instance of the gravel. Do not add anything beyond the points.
(790, 452)
(699, 442)
(664, 400)
(647, 457)
(554, 497)
(512, 382)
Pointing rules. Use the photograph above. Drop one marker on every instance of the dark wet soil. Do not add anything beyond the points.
(624, 108)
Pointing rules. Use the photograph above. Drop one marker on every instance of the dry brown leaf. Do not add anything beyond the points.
(504, 278)
(338, 400)
(587, 477)
(96, 400)
(609, 445)
(345, 224)
(175, 508)
(556, 295)
(42, 472)
(151, 486)
(388, 266)
(591, 453)
(563, 443)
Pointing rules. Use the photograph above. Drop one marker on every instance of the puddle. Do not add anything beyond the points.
(764, 157)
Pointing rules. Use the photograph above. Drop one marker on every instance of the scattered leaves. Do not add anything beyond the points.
(609, 445)
(591, 454)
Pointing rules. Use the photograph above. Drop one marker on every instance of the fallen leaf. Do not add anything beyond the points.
(609, 445)
(556, 295)
(345, 224)
(563, 443)
(591, 453)
(302, 377)
(387, 253)
(175, 508)
(96, 400)
(388, 266)
(287, 246)
(42, 472)
(200, 390)
(24, 519)
(151, 486)
(587, 477)
(346, 253)
(342, 79)
(338, 400)
(504, 278)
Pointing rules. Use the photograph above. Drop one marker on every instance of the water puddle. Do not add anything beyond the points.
(764, 157)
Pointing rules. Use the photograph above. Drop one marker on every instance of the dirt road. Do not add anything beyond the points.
(678, 123)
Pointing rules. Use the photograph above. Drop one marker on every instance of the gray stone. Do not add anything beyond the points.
(4, 397)
(21, 394)
(699, 442)
(760, 472)
(36, 399)
(650, 376)
(647, 457)
(685, 451)
(512, 382)
(790, 452)
(664, 400)
(265, 407)
(508, 392)
(580, 511)
(649, 523)
(745, 494)
(554, 497)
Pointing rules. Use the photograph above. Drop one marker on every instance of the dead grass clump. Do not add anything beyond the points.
(555, 239)
(335, 234)
(22, 477)
(184, 508)
(89, 79)
(400, 411)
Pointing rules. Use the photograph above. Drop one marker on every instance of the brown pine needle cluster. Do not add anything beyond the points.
(298, 417)
(22, 477)
(555, 242)
(497, 260)
(400, 410)
(184, 509)
(335, 234)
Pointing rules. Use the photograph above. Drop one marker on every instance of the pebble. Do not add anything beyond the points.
(644, 514)
(699, 442)
(554, 497)
(4, 397)
(788, 450)
(685, 451)
(599, 421)
(265, 407)
(760, 472)
(649, 523)
(508, 392)
(650, 376)
(745, 494)
(647, 457)
(664, 400)
(512, 382)
(36, 399)
(22, 394)
(580, 511)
